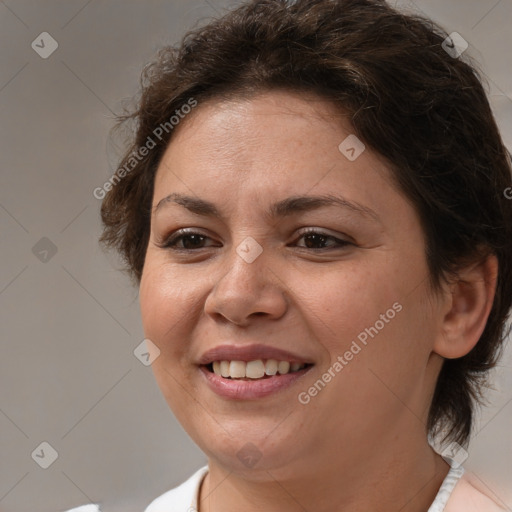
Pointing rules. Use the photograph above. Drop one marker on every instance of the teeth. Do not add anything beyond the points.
(283, 367)
(271, 367)
(224, 368)
(256, 369)
(237, 369)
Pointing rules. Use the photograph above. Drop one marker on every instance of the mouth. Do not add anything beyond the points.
(257, 369)
(249, 372)
(252, 380)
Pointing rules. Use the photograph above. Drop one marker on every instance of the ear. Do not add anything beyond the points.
(466, 307)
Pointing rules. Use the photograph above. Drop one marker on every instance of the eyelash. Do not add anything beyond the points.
(172, 241)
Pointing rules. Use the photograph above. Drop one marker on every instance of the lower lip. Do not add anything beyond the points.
(247, 389)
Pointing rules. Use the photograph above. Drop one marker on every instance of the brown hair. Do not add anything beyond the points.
(425, 111)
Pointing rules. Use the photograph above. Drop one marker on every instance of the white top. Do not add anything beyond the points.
(464, 496)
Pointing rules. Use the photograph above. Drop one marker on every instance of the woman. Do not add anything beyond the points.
(313, 207)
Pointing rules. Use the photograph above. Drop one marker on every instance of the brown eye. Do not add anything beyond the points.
(317, 240)
(185, 241)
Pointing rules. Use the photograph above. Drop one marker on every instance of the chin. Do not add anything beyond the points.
(249, 451)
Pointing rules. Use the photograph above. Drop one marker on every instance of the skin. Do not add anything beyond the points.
(360, 443)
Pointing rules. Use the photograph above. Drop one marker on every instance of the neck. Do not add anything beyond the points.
(386, 480)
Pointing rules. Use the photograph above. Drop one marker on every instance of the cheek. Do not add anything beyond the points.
(166, 309)
(168, 306)
(374, 315)
(384, 357)
(347, 299)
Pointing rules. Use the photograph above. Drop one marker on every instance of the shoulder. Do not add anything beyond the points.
(470, 495)
(182, 498)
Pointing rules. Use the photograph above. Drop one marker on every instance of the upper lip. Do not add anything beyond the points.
(249, 353)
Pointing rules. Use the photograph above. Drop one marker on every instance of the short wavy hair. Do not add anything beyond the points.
(421, 108)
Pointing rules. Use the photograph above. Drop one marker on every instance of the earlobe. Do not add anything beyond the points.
(468, 307)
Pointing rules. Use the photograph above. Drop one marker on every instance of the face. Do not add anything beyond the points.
(237, 271)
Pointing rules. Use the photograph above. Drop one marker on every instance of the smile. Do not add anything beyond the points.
(237, 384)
(251, 370)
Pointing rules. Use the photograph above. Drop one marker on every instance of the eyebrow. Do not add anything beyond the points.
(286, 207)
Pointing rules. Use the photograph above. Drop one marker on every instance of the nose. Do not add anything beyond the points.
(246, 290)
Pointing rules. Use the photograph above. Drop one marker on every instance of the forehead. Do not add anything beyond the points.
(273, 145)
(220, 125)
(269, 127)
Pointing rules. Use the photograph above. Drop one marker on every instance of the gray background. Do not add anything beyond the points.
(69, 326)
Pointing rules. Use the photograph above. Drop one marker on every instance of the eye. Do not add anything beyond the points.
(184, 240)
(188, 240)
(314, 237)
